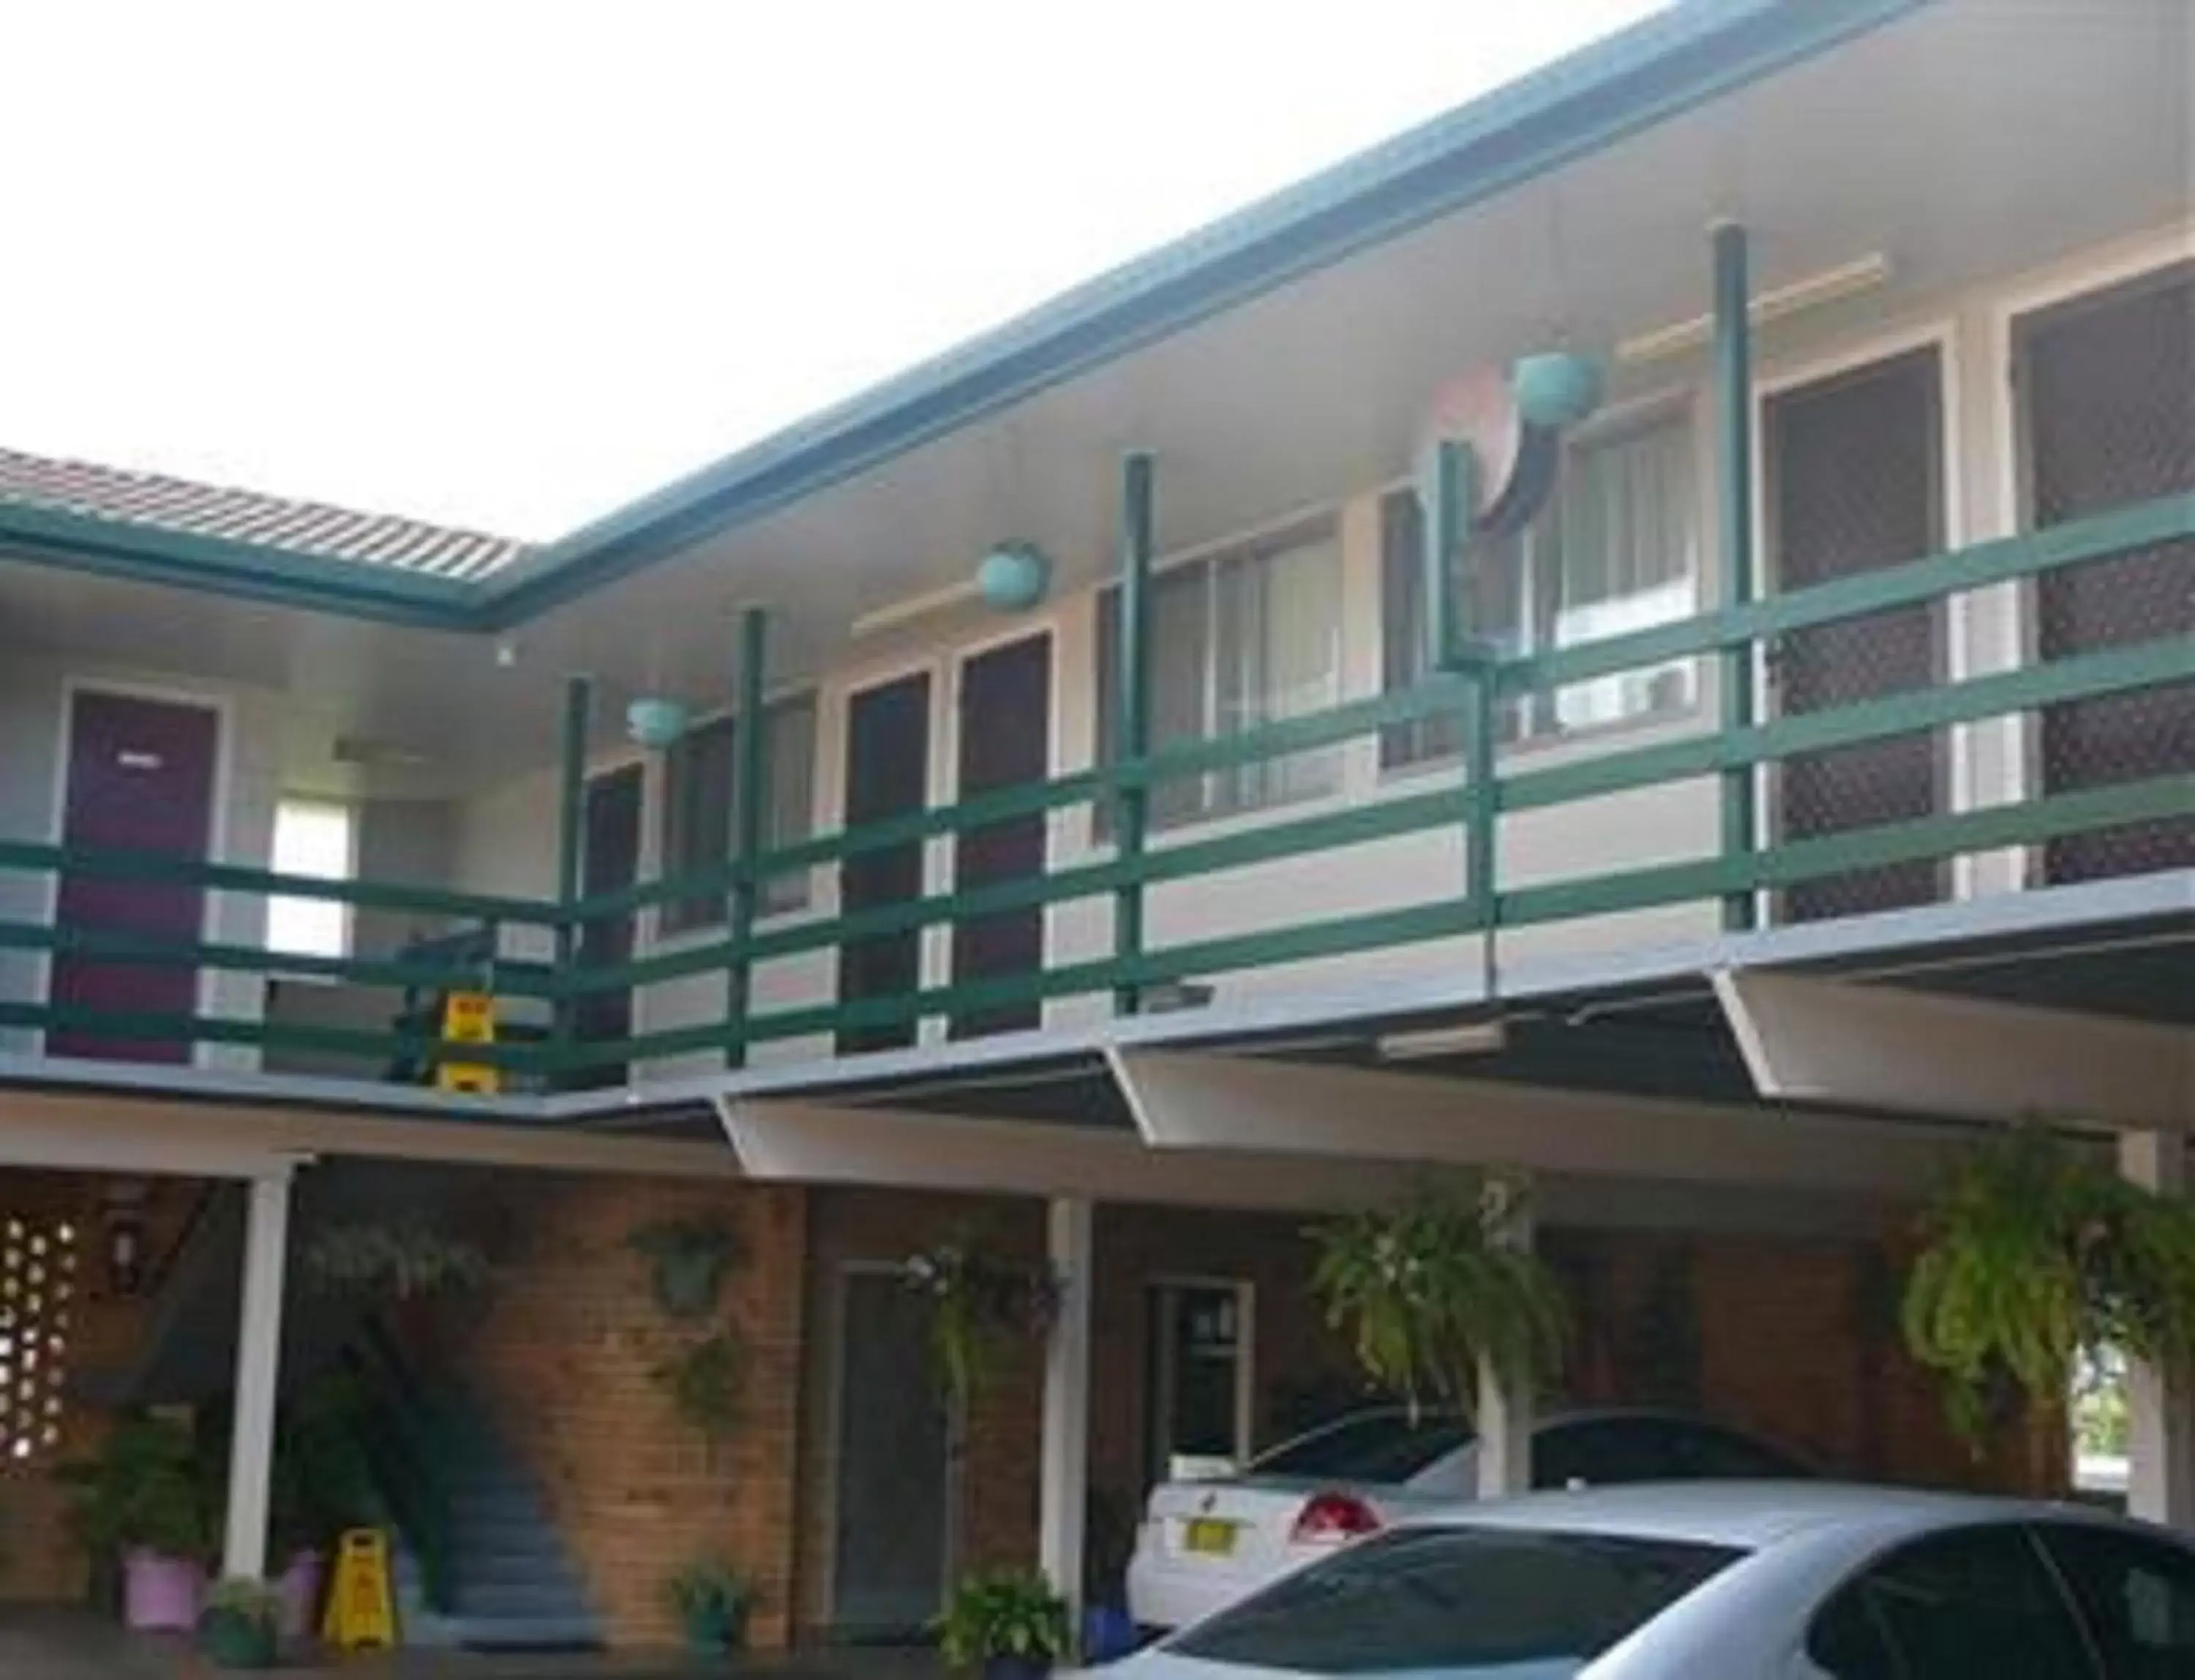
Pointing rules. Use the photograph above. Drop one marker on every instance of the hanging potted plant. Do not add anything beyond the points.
(976, 1299)
(236, 1629)
(1432, 1289)
(713, 1602)
(2035, 1257)
(689, 1259)
(147, 1499)
(1011, 1625)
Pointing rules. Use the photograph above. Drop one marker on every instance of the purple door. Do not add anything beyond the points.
(141, 774)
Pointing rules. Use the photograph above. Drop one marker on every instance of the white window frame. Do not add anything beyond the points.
(669, 924)
(1681, 407)
(1323, 524)
(346, 914)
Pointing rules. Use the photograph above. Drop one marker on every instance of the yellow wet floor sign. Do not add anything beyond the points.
(361, 1612)
(468, 1018)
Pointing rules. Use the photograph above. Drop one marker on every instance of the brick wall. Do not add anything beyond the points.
(39, 1559)
(1795, 1339)
(564, 1349)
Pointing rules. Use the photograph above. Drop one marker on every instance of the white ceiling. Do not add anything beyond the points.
(1979, 137)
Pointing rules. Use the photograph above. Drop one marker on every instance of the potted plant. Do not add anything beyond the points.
(1433, 1289)
(146, 1498)
(1009, 1624)
(2037, 1256)
(975, 1298)
(713, 1602)
(689, 1259)
(236, 1629)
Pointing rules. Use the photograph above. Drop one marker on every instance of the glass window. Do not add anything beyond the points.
(1977, 1604)
(2137, 1594)
(698, 808)
(1247, 637)
(317, 838)
(1616, 550)
(1375, 1446)
(1458, 1601)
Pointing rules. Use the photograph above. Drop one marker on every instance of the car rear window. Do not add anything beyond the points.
(1377, 1446)
(1464, 1601)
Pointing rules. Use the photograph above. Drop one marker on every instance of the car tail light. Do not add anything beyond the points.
(1328, 1519)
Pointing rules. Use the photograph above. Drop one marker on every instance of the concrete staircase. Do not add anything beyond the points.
(506, 1581)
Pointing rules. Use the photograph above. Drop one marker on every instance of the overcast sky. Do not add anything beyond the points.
(510, 264)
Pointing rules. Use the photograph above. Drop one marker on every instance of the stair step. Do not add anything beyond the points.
(516, 1601)
(530, 1633)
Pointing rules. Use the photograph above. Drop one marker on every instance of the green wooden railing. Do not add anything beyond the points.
(1465, 801)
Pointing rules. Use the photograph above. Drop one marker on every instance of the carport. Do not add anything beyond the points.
(1803, 1077)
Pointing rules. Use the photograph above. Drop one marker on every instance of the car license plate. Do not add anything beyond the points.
(1208, 1536)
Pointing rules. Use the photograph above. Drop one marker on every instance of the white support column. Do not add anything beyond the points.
(1505, 1412)
(2160, 1404)
(1065, 1470)
(258, 1362)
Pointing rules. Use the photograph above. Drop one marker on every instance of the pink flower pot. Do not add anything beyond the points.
(299, 1591)
(160, 1593)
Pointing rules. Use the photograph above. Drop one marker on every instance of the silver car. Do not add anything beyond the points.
(1721, 1581)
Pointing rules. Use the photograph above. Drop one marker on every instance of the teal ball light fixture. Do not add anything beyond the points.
(1014, 577)
(1555, 388)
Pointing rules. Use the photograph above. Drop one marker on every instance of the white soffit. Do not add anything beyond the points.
(1892, 1047)
(819, 1143)
(1208, 1102)
(64, 1132)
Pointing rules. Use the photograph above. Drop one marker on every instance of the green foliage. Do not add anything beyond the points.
(149, 1487)
(976, 1299)
(710, 1588)
(1431, 1289)
(401, 1260)
(246, 1599)
(690, 1258)
(322, 1484)
(1007, 1613)
(2039, 1257)
(703, 1384)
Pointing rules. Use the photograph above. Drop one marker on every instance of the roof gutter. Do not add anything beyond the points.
(1673, 62)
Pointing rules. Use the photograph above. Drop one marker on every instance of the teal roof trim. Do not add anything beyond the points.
(1695, 51)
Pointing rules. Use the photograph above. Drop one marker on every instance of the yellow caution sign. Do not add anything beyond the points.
(468, 1018)
(362, 1615)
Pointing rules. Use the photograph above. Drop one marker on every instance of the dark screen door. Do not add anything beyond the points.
(1855, 476)
(887, 775)
(2108, 395)
(609, 862)
(888, 1549)
(1006, 742)
(140, 778)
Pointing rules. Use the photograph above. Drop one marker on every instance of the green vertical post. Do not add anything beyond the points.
(1453, 647)
(750, 802)
(1446, 521)
(1132, 809)
(571, 812)
(1733, 385)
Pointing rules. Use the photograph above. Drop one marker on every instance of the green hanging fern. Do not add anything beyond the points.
(2038, 1255)
(1432, 1288)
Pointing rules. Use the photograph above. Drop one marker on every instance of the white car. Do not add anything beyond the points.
(1735, 1581)
(1205, 1543)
